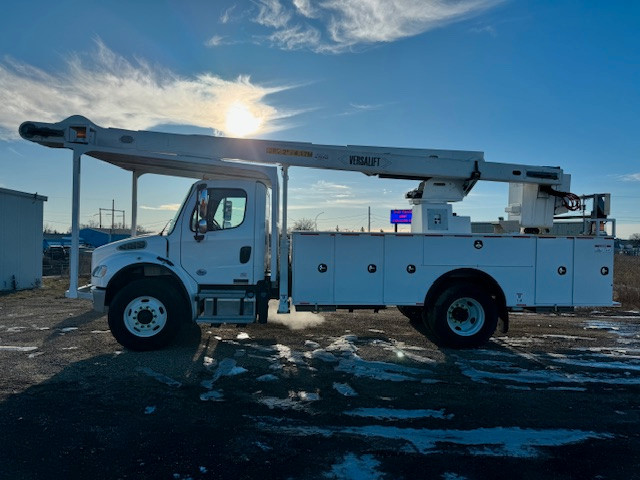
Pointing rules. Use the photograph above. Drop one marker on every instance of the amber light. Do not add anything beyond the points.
(81, 132)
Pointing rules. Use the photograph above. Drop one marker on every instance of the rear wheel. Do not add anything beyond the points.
(463, 316)
(146, 314)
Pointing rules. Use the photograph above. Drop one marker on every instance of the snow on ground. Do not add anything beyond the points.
(522, 375)
(295, 400)
(212, 396)
(159, 377)
(498, 442)
(226, 368)
(623, 329)
(398, 414)
(345, 389)
(376, 370)
(16, 348)
(354, 467)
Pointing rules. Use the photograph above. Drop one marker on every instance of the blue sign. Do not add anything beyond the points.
(400, 216)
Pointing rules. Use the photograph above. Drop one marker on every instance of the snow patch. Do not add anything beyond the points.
(321, 355)
(149, 410)
(268, 377)
(398, 414)
(499, 441)
(243, 336)
(68, 329)
(159, 377)
(212, 396)
(378, 370)
(209, 362)
(521, 375)
(345, 389)
(16, 348)
(226, 368)
(353, 467)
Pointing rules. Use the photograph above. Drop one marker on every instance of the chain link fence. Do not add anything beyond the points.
(58, 264)
(626, 280)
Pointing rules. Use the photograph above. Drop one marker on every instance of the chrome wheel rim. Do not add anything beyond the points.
(145, 316)
(465, 316)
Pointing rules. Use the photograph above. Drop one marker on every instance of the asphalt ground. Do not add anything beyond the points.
(344, 395)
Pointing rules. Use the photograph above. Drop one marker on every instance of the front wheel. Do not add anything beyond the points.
(463, 316)
(146, 314)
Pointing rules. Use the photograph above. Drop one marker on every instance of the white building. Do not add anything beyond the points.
(20, 239)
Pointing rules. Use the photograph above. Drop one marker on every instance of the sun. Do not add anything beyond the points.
(241, 121)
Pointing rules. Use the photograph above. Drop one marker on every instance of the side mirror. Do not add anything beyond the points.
(201, 213)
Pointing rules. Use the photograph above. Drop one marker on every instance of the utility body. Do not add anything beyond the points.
(226, 253)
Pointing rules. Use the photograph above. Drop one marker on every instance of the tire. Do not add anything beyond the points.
(463, 316)
(146, 314)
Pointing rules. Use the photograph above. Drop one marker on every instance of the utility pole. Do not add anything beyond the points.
(113, 218)
(369, 228)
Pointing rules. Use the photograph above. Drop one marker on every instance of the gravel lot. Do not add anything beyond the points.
(357, 396)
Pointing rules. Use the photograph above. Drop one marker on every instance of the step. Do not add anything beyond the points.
(227, 306)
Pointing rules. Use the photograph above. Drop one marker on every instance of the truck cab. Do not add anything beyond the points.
(211, 265)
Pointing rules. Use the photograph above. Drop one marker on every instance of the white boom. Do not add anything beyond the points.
(130, 149)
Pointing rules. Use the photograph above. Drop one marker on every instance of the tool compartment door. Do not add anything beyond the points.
(554, 271)
(359, 269)
(593, 271)
(313, 269)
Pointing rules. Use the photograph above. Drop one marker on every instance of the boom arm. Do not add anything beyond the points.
(132, 149)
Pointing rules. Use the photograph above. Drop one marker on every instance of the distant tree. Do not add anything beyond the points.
(635, 239)
(304, 224)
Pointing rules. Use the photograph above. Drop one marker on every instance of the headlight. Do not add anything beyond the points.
(100, 271)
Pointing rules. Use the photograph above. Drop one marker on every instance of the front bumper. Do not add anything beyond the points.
(99, 295)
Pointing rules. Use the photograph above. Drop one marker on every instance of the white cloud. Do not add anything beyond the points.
(215, 41)
(271, 13)
(305, 8)
(355, 108)
(334, 26)
(114, 91)
(172, 207)
(297, 37)
(631, 177)
(226, 16)
(490, 29)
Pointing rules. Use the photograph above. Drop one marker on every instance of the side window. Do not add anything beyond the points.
(226, 209)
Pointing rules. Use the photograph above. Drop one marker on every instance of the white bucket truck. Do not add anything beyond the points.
(222, 258)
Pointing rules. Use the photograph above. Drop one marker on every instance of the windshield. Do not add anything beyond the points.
(174, 220)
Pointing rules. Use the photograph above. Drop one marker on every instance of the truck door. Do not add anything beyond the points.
(223, 253)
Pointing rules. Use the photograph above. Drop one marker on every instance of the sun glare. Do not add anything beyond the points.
(240, 121)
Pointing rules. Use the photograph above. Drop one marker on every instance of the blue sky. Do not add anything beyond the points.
(545, 82)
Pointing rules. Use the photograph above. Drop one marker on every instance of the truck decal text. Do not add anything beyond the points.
(289, 152)
(362, 160)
